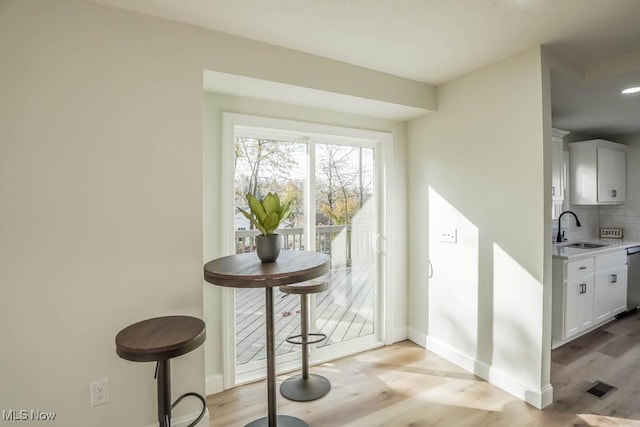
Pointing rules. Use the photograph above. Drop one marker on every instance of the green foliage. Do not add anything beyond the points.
(266, 214)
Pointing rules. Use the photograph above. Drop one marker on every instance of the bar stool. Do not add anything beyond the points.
(305, 387)
(159, 340)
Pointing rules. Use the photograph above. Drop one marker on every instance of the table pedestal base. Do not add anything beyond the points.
(283, 421)
(300, 389)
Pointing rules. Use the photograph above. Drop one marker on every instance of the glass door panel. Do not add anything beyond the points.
(263, 165)
(346, 230)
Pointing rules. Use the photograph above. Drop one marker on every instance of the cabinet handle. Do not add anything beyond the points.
(613, 193)
(583, 288)
(583, 267)
(553, 191)
(614, 278)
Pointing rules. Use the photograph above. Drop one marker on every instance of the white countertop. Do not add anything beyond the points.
(563, 252)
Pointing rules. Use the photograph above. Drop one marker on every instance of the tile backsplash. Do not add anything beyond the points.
(593, 218)
(619, 216)
(589, 217)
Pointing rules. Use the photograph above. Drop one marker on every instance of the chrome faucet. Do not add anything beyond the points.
(559, 236)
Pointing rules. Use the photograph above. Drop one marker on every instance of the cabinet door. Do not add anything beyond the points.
(578, 306)
(611, 175)
(602, 296)
(618, 295)
(557, 181)
(610, 294)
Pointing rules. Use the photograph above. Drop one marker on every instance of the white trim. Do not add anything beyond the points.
(384, 170)
(400, 334)
(226, 178)
(343, 135)
(417, 337)
(185, 420)
(214, 384)
(535, 396)
(347, 348)
(381, 142)
(228, 325)
(310, 197)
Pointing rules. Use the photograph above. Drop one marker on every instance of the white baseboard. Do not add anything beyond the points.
(399, 334)
(417, 337)
(214, 384)
(547, 396)
(538, 397)
(185, 420)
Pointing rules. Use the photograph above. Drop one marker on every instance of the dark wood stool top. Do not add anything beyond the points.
(160, 338)
(308, 287)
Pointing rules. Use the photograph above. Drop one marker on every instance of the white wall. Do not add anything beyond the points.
(633, 170)
(479, 166)
(214, 107)
(101, 219)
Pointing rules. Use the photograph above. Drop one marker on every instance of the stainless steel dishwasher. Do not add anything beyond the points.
(633, 278)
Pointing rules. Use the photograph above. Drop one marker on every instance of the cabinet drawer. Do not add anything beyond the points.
(579, 268)
(610, 260)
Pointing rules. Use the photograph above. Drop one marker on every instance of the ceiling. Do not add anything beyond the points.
(435, 41)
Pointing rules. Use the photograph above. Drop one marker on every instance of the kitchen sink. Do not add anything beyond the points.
(585, 245)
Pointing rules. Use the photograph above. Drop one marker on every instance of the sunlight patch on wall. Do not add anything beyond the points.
(517, 325)
(453, 252)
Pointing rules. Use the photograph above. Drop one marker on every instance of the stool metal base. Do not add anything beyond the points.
(299, 389)
(283, 421)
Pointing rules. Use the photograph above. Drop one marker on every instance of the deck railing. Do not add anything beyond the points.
(293, 238)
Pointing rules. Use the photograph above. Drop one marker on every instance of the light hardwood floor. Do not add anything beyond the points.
(405, 385)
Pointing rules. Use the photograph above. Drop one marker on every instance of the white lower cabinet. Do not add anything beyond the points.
(587, 293)
(610, 297)
(578, 310)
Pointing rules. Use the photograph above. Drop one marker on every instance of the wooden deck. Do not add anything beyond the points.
(344, 312)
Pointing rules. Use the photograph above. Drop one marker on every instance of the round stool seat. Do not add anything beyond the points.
(160, 338)
(306, 288)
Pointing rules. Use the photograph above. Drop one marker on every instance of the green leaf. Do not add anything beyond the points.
(256, 208)
(271, 204)
(271, 222)
(285, 210)
(263, 230)
(251, 218)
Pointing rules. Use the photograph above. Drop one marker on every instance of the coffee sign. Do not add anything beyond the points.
(611, 233)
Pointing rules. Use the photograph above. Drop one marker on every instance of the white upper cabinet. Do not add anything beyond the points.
(557, 175)
(598, 172)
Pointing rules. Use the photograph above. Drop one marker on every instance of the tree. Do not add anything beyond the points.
(342, 185)
(264, 165)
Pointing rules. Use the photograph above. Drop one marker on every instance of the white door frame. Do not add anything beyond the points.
(381, 141)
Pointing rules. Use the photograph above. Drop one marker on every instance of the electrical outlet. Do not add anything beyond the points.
(450, 236)
(99, 392)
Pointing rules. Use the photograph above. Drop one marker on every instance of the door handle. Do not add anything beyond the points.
(375, 242)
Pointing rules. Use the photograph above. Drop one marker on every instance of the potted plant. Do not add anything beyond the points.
(267, 214)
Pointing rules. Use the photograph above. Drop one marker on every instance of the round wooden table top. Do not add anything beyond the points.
(160, 338)
(247, 271)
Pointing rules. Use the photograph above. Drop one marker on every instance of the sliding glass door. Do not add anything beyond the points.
(333, 184)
